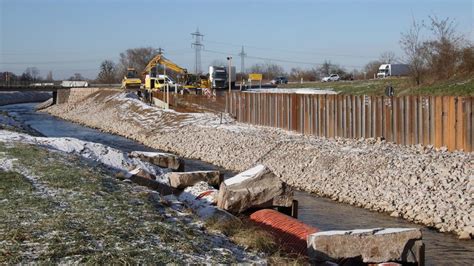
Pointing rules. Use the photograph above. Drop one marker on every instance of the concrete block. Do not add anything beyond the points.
(164, 160)
(183, 180)
(367, 245)
(255, 188)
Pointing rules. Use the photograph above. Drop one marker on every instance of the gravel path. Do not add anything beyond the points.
(421, 184)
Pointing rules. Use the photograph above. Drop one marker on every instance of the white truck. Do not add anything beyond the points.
(218, 77)
(389, 70)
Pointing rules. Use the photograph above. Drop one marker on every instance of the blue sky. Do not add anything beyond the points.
(75, 36)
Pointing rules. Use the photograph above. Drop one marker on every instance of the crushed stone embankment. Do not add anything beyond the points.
(425, 185)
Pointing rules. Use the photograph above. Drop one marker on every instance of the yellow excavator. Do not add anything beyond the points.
(131, 79)
(154, 81)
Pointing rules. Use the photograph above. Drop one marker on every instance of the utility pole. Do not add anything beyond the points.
(198, 37)
(242, 61)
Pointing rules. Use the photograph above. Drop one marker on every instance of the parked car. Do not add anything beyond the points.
(332, 77)
(279, 80)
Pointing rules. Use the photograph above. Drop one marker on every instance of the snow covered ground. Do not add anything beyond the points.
(58, 209)
(114, 159)
(117, 161)
(295, 90)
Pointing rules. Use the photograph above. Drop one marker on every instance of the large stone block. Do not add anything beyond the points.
(367, 245)
(201, 199)
(164, 160)
(255, 188)
(183, 180)
(143, 178)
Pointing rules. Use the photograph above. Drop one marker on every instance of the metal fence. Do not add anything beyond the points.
(427, 120)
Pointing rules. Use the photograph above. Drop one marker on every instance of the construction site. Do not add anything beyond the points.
(153, 161)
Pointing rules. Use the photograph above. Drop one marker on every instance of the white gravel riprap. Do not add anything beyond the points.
(422, 184)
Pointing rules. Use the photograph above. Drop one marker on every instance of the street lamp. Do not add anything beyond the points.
(229, 77)
(229, 58)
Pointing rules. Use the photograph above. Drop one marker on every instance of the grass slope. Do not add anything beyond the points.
(402, 86)
(56, 210)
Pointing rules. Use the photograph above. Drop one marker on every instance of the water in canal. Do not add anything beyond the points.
(441, 248)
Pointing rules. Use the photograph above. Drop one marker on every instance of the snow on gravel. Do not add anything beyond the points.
(146, 116)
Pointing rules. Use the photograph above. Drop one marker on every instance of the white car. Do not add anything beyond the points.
(332, 77)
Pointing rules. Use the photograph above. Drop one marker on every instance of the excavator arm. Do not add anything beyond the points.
(161, 60)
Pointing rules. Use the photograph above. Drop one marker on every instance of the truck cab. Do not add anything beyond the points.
(384, 71)
(219, 78)
(158, 82)
(393, 70)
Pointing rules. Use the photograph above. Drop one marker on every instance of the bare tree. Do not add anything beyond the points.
(414, 49)
(297, 73)
(76, 77)
(326, 68)
(107, 72)
(444, 51)
(33, 72)
(49, 77)
(137, 58)
(269, 70)
(387, 57)
(372, 68)
(467, 60)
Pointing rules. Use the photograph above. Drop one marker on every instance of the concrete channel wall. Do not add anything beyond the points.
(13, 97)
(421, 184)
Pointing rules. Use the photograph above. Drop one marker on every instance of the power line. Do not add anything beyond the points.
(242, 62)
(296, 52)
(277, 59)
(50, 62)
(198, 46)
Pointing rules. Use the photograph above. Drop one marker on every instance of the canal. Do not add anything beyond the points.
(441, 248)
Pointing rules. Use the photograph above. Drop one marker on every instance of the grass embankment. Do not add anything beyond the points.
(402, 86)
(57, 208)
(250, 235)
(71, 213)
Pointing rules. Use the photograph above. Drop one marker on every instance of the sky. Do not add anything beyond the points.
(75, 36)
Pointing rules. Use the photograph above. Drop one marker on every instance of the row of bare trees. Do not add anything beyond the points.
(31, 74)
(137, 58)
(446, 54)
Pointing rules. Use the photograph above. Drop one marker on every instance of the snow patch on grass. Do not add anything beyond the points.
(112, 158)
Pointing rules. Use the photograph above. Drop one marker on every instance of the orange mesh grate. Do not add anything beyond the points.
(290, 232)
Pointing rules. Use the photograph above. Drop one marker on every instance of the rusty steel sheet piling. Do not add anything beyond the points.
(408, 120)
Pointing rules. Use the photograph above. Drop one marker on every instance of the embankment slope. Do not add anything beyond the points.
(421, 184)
